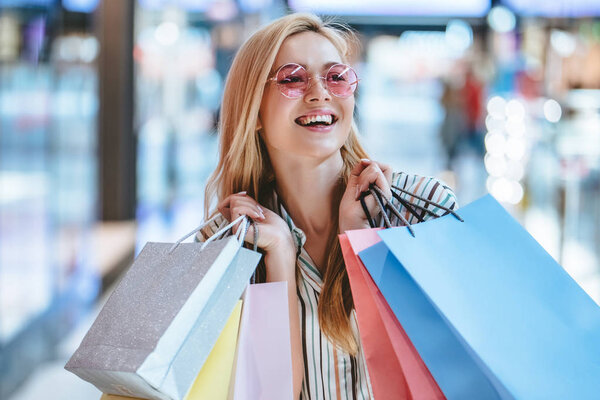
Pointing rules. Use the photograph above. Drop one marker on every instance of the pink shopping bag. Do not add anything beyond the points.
(395, 367)
(264, 358)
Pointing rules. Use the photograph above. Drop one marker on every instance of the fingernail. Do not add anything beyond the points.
(262, 215)
(242, 192)
(260, 209)
(365, 160)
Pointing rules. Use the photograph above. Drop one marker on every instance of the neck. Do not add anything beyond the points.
(307, 188)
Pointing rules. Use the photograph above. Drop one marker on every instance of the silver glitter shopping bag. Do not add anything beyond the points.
(157, 328)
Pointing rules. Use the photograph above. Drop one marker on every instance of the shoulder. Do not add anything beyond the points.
(423, 191)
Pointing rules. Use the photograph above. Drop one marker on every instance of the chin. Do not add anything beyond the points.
(320, 151)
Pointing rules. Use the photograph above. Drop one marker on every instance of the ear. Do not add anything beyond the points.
(258, 124)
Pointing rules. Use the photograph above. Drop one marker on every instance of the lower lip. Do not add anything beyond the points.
(320, 128)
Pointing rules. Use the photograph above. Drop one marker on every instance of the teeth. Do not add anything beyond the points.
(328, 119)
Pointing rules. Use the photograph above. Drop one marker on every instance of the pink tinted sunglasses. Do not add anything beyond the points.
(293, 80)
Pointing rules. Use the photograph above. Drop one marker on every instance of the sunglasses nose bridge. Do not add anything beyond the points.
(323, 81)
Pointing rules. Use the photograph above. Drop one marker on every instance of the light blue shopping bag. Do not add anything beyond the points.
(532, 331)
(453, 367)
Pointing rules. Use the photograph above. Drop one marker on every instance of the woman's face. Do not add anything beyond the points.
(285, 127)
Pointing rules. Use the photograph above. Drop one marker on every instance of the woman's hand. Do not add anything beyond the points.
(366, 172)
(273, 232)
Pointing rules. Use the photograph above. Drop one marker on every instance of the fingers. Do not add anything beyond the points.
(360, 167)
(239, 204)
(387, 172)
(372, 172)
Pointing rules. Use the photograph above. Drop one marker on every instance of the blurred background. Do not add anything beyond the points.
(108, 111)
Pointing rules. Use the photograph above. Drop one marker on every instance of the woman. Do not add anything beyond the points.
(290, 160)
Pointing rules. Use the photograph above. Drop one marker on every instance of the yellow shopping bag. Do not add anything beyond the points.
(115, 397)
(213, 380)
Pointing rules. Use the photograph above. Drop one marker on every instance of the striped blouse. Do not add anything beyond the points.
(329, 372)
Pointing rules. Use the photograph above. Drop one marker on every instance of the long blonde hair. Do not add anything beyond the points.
(244, 162)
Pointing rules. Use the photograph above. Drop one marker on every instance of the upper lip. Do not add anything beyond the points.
(320, 111)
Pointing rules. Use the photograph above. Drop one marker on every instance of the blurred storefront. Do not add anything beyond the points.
(499, 96)
(48, 116)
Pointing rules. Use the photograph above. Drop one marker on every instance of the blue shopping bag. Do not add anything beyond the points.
(532, 331)
(454, 369)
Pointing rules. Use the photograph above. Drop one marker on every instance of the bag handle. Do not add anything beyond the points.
(223, 230)
(187, 235)
(383, 203)
(380, 199)
(426, 201)
(240, 235)
(376, 192)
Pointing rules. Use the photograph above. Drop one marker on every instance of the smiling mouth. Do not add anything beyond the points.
(317, 120)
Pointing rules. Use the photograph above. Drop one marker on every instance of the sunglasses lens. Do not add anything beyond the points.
(341, 80)
(292, 80)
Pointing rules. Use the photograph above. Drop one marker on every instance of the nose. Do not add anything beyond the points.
(317, 91)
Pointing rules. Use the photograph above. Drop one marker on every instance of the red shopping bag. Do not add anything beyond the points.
(395, 367)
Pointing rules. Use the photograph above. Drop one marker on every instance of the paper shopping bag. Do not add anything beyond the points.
(525, 322)
(388, 380)
(451, 365)
(214, 378)
(395, 367)
(264, 358)
(117, 397)
(159, 325)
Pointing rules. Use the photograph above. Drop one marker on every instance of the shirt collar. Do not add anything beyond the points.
(299, 236)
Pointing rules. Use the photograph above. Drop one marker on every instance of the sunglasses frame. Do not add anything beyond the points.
(310, 77)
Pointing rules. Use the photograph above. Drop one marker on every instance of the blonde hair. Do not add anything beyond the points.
(244, 162)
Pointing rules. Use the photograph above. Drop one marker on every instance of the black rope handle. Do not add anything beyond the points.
(393, 209)
(412, 207)
(382, 203)
(371, 220)
(366, 210)
(254, 245)
(427, 201)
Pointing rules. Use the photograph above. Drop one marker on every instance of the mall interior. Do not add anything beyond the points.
(108, 133)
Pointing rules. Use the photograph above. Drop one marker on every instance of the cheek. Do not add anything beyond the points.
(348, 107)
(272, 110)
(272, 113)
(349, 104)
